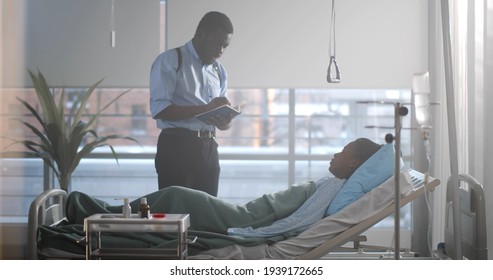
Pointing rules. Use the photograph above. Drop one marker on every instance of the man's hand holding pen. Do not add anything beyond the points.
(220, 121)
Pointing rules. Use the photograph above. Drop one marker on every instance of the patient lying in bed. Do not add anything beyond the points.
(286, 213)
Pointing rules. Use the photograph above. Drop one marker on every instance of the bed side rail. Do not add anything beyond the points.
(473, 219)
(48, 208)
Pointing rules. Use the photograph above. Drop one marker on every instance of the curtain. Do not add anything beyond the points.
(467, 45)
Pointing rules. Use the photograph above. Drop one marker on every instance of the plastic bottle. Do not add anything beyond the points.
(144, 209)
(127, 210)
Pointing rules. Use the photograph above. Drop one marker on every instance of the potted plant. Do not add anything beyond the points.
(63, 141)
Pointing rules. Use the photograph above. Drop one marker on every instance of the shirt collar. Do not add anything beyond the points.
(193, 52)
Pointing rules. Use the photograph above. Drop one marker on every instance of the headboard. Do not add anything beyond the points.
(47, 209)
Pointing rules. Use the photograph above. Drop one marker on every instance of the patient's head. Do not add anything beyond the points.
(352, 156)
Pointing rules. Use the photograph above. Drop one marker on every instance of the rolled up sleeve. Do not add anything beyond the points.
(162, 82)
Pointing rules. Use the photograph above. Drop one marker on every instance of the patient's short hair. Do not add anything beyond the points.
(213, 21)
(365, 148)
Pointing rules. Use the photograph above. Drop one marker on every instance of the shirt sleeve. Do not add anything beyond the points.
(223, 78)
(162, 81)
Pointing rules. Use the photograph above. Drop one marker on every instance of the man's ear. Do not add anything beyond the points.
(355, 163)
(200, 35)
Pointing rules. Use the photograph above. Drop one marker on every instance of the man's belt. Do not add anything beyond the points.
(207, 134)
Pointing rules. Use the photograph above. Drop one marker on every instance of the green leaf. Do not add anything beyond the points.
(94, 118)
(61, 141)
(33, 111)
(61, 111)
(46, 141)
(83, 101)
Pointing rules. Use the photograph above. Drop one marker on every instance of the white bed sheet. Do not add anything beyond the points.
(329, 227)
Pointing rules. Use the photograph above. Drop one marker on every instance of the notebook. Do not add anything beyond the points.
(222, 111)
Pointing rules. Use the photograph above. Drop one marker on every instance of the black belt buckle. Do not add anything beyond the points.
(205, 134)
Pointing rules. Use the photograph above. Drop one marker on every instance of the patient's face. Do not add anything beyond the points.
(344, 163)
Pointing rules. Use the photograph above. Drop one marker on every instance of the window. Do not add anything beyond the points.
(139, 119)
(283, 136)
(290, 135)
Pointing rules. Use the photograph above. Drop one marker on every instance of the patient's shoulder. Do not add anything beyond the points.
(329, 181)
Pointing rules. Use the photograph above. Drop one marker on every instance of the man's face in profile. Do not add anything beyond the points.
(210, 46)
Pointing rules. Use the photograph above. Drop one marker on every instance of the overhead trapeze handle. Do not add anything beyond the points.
(330, 71)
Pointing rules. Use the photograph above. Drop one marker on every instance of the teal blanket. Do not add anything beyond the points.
(210, 218)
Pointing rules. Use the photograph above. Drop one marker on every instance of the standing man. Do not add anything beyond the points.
(184, 82)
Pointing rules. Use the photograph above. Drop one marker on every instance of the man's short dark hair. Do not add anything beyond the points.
(365, 148)
(213, 21)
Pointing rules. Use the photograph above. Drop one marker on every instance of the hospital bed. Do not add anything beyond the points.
(473, 237)
(330, 233)
(414, 186)
(321, 238)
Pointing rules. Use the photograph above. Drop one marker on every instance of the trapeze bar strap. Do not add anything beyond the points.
(330, 71)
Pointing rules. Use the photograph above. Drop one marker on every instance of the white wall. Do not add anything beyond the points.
(13, 22)
(278, 43)
(12, 236)
(69, 41)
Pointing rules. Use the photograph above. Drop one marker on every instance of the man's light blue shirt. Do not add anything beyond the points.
(194, 84)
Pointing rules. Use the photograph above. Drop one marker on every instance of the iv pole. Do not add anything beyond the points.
(449, 87)
(399, 112)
